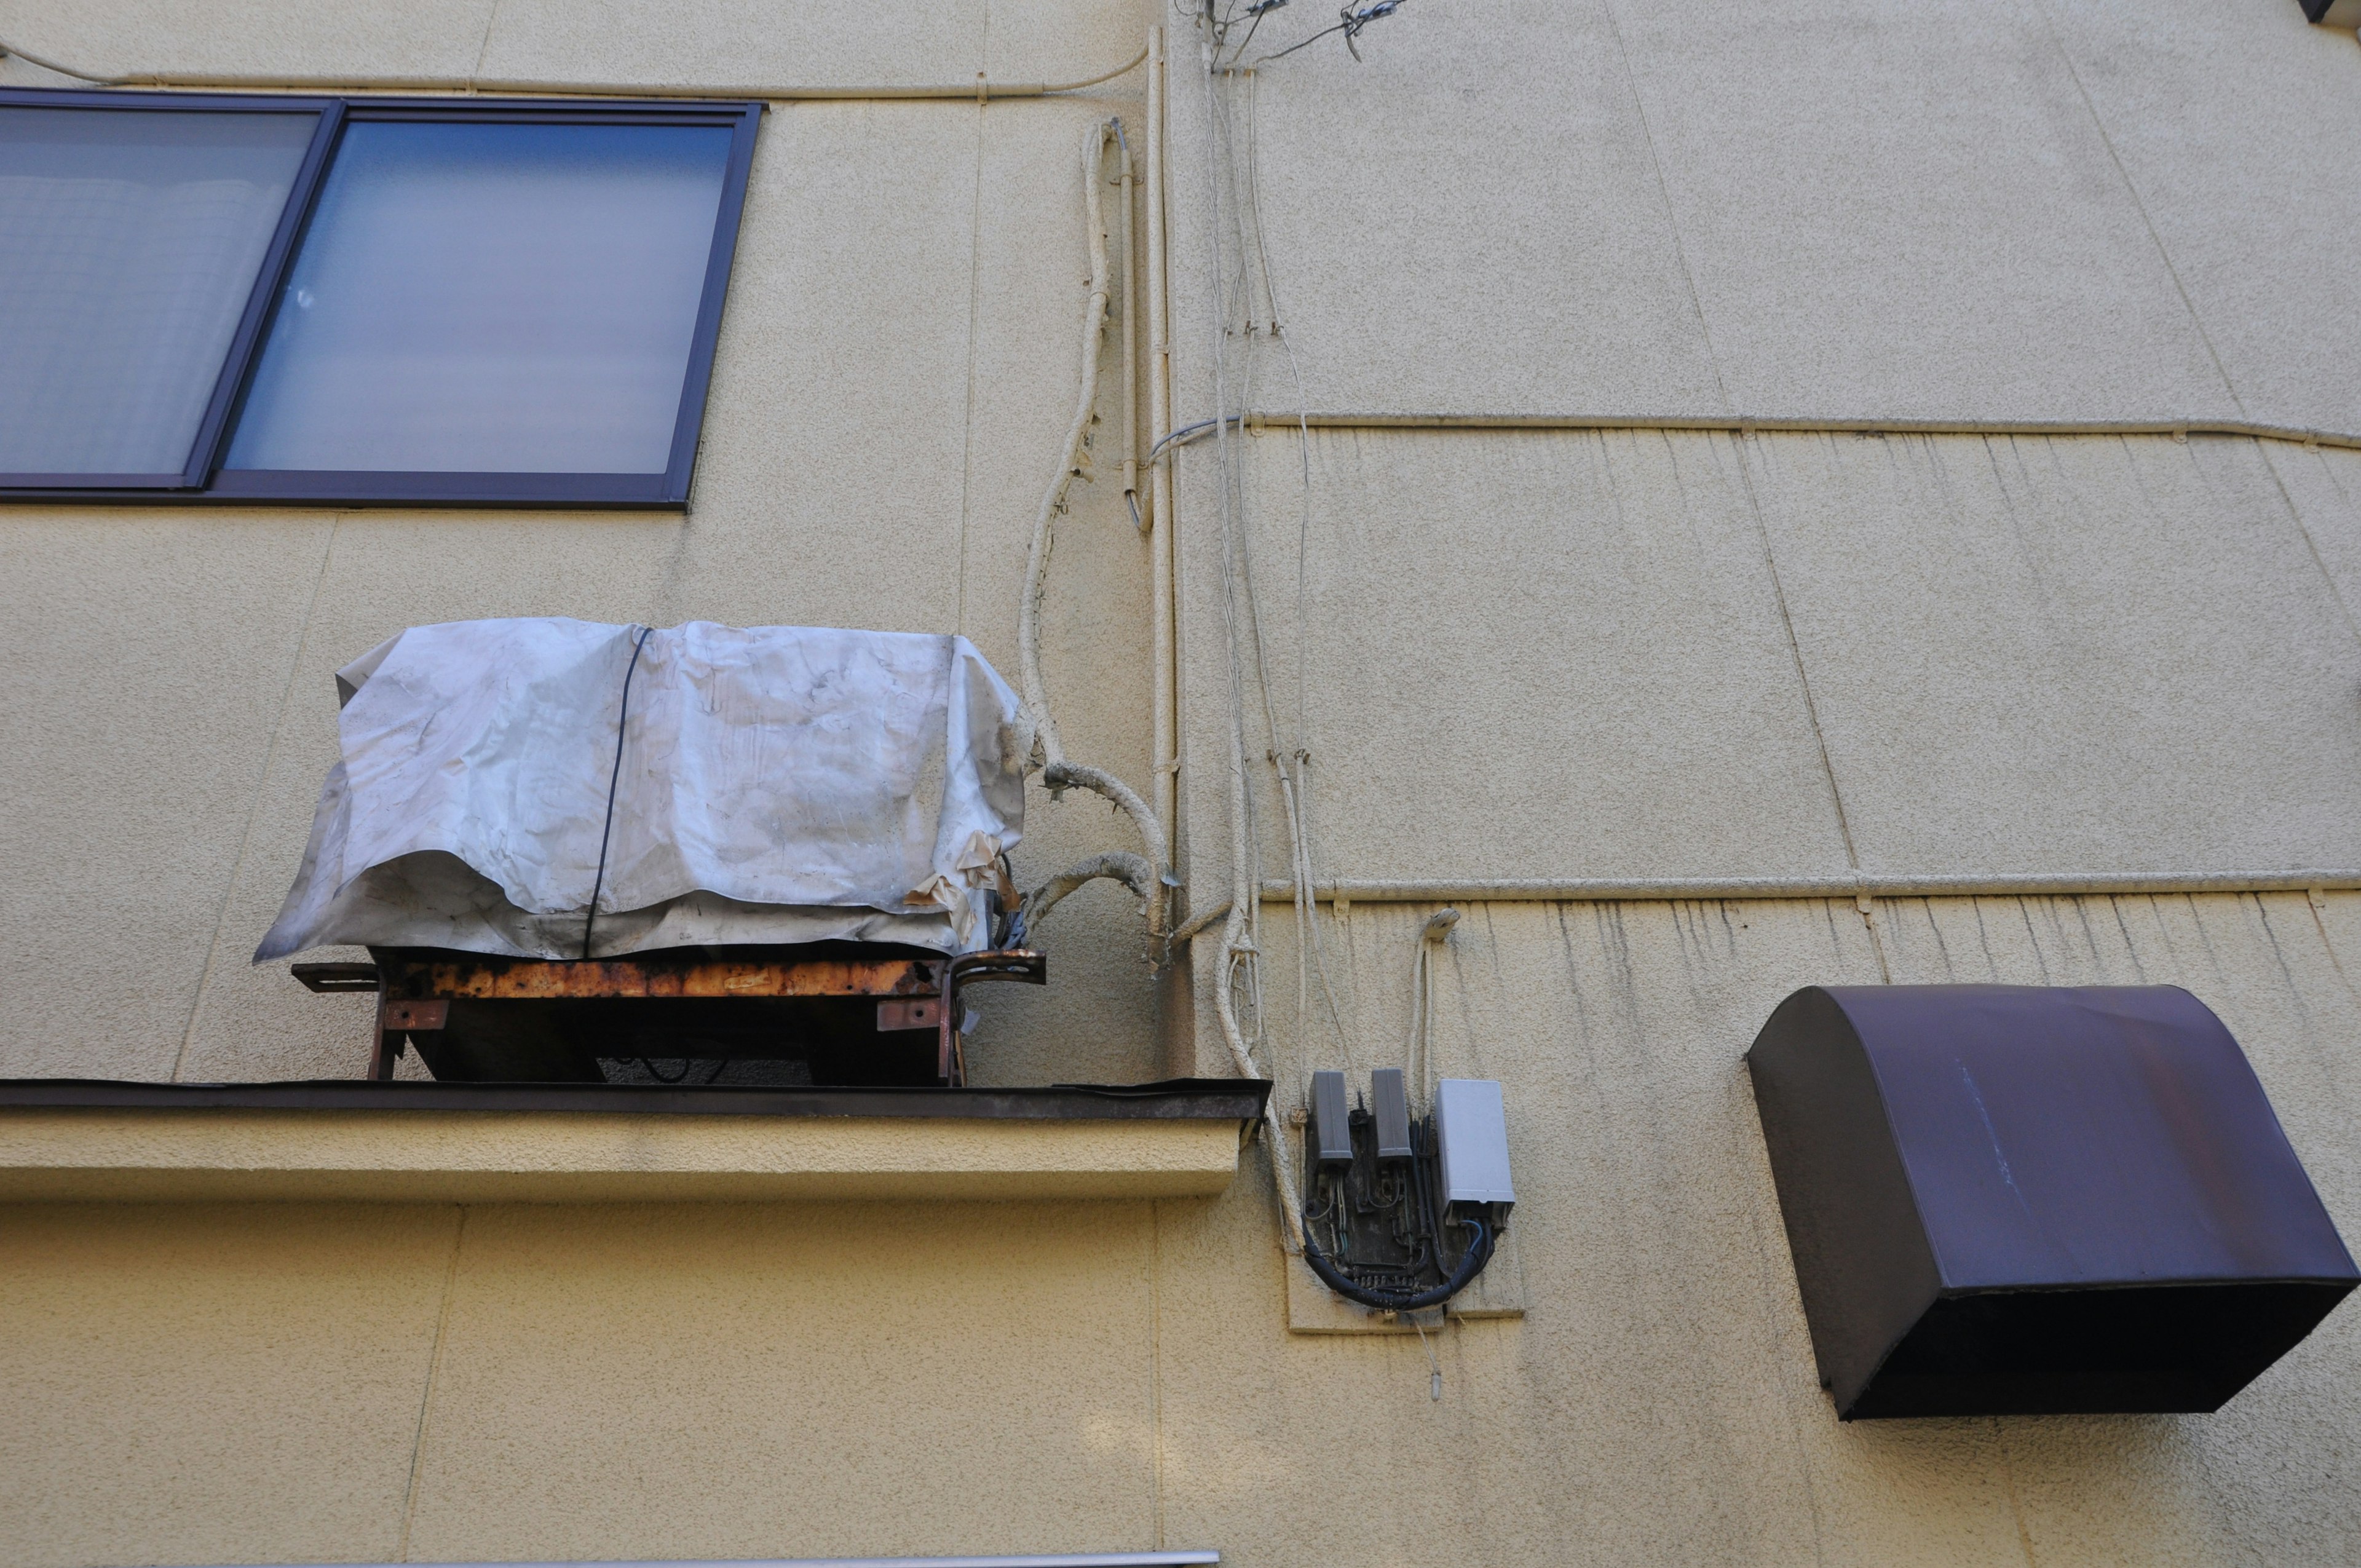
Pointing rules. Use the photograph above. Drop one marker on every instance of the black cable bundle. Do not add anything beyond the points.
(1478, 1253)
(1419, 1202)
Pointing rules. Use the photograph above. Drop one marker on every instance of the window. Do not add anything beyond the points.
(392, 301)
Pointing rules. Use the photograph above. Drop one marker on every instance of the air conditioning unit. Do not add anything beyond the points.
(571, 848)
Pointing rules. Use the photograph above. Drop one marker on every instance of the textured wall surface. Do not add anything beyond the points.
(298, 1383)
(1630, 653)
(1637, 653)
(1838, 209)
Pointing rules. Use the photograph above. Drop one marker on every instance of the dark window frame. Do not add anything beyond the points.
(203, 480)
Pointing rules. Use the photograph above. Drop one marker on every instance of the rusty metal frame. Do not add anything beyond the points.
(1020, 964)
(472, 976)
(414, 995)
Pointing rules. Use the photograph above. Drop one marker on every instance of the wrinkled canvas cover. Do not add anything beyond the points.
(777, 783)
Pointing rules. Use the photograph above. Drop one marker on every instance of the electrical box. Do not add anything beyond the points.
(1390, 1109)
(1471, 1135)
(1332, 1124)
(1407, 1213)
(2008, 1199)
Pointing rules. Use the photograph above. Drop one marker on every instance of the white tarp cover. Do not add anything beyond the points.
(778, 784)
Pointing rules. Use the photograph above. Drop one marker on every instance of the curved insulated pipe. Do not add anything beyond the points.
(1073, 463)
(1074, 460)
(1115, 865)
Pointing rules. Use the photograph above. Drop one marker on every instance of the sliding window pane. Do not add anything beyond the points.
(491, 298)
(129, 240)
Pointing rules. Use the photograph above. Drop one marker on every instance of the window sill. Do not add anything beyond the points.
(80, 1141)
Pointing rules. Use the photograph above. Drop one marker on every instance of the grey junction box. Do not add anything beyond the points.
(1471, 1131)
(2027, 1199)
(1332, 1128)
(1389, 1110)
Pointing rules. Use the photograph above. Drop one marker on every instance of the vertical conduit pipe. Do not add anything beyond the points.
(1130, 338)
(1165, 748)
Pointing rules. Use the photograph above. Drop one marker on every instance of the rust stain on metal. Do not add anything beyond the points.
(528, 978)
(914, 1013)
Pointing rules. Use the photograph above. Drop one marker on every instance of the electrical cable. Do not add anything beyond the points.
(1257, 12)
(1238, 556)
(1290, 48)
(1310, 945)
(1185, 434)
(1350, 23)
(1237, 948)
(977, 90)
(1418, 1056)
(622, 717)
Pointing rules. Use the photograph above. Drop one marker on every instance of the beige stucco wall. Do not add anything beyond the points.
(1632, 653)
(298, 1383)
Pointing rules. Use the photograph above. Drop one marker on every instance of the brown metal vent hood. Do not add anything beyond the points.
(2020, 1200)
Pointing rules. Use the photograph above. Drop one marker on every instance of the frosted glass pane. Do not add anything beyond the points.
(129, 240)
(491, 298)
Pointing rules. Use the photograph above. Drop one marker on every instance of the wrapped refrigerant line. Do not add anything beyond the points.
(552, 789)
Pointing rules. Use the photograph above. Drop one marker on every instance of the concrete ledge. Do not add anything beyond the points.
(58, 1146)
